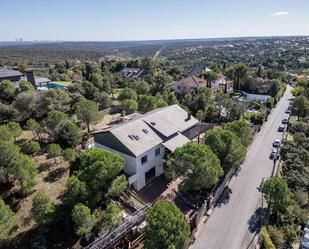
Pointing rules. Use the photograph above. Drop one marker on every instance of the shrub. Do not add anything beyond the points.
(267, 242)
(31, 147)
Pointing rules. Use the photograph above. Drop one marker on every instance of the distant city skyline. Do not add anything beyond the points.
(122, 20)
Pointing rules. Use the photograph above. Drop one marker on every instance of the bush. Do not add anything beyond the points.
(267, 242)
(276, 236)
(31, 147)
(69, 155)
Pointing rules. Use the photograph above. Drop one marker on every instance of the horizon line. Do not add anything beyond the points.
(163, 39)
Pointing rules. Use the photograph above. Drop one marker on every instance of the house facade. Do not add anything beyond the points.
(189, 84)
(222, 84)
(144, 141)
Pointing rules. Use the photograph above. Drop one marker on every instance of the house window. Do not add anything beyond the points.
(144, 159)
(157, 152)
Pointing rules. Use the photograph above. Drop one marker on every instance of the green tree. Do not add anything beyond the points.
(141, 87)
(223, 102)
(42, 210)
(198, 164)
(55, 99)
(88, 112)
(111, 217)
(147, 103)
(127, 93)
(5, 133)
(290, 234)
(26, 104)
(227, 146)
(15, 129)
(69, 155)
(98, 169)
(7, 90)
(75, 191)
(31, 147)
(83, 219)
(118, 186)
(300, 107)
(277, 194)
(129, 106)
(17, 166)
(54, 151)
(34, 126)
(242, 130)
(210, 76)
(167, 227)
(25, 86)
(7, 220)
(200, 115)
(54, 118)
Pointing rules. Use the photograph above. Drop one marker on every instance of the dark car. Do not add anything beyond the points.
(285, 121)
(288, 111)
(281, 128)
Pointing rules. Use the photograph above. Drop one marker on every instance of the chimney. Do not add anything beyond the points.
(30, 77)
(189, 116)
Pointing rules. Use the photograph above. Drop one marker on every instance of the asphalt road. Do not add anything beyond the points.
(233, 223)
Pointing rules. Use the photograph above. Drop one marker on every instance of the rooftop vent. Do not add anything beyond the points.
(145, 131)
(153, 123)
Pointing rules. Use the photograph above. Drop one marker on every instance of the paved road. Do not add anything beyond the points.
(232, 224)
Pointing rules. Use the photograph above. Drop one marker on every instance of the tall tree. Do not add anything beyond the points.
(227, 146)
(111, 217)
(42, 209)
(199, 166)
(277, 194)
(88, 112)
(83, 219)
(7, 220)
(242, 130)
(167, 227)
(210, 77)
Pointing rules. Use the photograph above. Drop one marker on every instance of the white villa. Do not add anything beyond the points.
(143, 140)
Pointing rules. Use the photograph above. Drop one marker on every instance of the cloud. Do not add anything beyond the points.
(280, 13)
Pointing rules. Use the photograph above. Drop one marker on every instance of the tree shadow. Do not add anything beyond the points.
(225, 197)
(44, 167)
(256, 220)
(55, 174)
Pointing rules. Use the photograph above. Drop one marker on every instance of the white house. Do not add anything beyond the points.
(144, 140)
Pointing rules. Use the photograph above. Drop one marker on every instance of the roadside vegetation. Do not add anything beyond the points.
(287, 194)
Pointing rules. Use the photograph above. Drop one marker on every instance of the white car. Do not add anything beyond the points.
(304, 244)
(277, 143)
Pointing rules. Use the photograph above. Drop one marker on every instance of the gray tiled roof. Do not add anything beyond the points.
(176, 142)
(5, 72)
(137, 136)
(152, 129)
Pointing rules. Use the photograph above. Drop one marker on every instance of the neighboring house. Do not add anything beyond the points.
(257, 97)
(222, 84)
(132, 73)
(189, 84)
(10, 74)
(16, 76)
(196, 71)
(143, 141)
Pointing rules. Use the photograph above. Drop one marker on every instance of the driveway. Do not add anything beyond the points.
(233, 224)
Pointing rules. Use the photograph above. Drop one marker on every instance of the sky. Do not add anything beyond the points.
(116, 20)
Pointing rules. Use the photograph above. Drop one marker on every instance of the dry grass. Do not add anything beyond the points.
(51, 180)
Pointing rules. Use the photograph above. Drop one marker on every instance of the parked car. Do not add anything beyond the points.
(288, 111)
(281, 128)
(285, 120)
(306, 228)
(304, 244)
(274, 154)
(276, 143)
